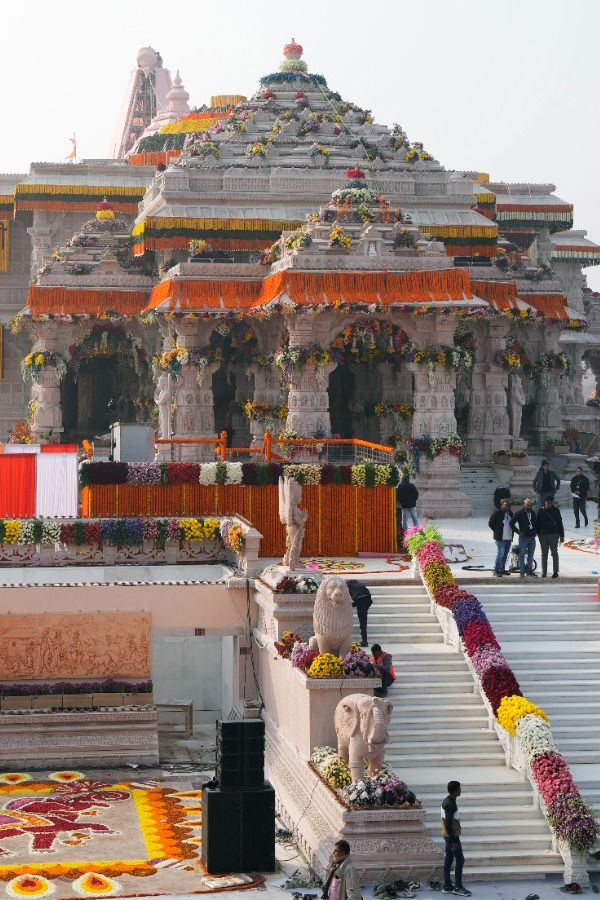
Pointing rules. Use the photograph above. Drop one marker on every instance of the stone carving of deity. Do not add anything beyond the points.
(517, 402)
(162, 398)
(294, 519)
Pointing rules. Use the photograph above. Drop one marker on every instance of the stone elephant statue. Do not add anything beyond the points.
(361, 726)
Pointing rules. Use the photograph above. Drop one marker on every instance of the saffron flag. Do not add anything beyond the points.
(73, 152)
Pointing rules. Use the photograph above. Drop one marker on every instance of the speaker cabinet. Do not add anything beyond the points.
(241, 753)
(238, 830)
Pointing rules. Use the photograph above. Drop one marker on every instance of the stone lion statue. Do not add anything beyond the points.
(332, 618)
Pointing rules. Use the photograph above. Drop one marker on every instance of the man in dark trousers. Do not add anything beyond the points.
(361, 599)
(451, 833)
(501, 524)
(550, 532)
(407, 496)
(580, 488)
(546, 482)
(383, 665)
(525, 525)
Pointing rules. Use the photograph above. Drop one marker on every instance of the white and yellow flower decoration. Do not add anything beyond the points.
(29, 886)
(66, 776)
(14, 777)
(93, 884)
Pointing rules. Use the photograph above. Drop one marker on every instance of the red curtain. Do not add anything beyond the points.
(59, 448)
(17, 485)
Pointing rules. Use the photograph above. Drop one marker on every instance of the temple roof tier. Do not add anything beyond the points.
(574, 246)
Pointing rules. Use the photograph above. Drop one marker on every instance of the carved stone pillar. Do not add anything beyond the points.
(433, 401)
(194, 413)
(548, 419)
(41, 241)
(308, 401)
(267, 389)
(489, 425)
(46, 407)
(396, 387)
(308, 398)
(437, 481)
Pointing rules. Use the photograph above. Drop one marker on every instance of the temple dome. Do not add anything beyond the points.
(148, 58)
(293, 61)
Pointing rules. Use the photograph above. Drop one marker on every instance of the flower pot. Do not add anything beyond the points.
(47, 701)
(16, 703)
(108, 698)
(78, 701)
(560, 448)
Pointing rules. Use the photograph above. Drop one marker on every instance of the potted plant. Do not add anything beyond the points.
(557, 445)
(511, 458)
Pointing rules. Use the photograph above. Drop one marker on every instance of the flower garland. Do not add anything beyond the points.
(246, 474)
(35, 363)
(120, 532)
(339, 239)
(431, 448)
(509, 360)
(232, 535)
(293, 359)
(326, 665)
(267, 413)
(173, 361)
(569, 817)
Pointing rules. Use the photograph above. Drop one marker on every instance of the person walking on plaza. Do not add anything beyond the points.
(451, 833)
(383, 665)
(580, 487)
(407, 496)
(546, 482)
(525, 525)
(550, 532)
(501, 524)
(342, 878)
(362, 600)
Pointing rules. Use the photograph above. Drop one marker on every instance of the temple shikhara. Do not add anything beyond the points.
(283, 263)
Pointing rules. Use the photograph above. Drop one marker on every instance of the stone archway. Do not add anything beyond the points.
(107, 366)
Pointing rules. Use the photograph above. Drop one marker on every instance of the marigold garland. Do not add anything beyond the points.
(512, 708)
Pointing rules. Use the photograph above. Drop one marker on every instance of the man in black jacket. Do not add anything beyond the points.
(550, 532)
(361, 599)
(580, 487)
(501, 493)
(525, 525)
(501, 524)
(407, 496)
(546, 482)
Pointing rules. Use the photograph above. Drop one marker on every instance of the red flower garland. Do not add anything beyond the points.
(499, 682)
(479, 634)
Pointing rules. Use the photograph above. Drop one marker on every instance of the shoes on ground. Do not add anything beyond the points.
(532, 575)
(448, 890)
(364, 643)
(532, 897)
(572, 888)
(461, 892)
(555, 575)
(497, 574)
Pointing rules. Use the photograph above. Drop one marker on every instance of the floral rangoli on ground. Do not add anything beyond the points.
(68, 835)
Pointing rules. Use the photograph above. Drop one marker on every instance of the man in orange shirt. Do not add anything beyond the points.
(383, 665)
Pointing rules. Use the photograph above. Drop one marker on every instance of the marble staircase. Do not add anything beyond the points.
(439, 732)
(550, 634)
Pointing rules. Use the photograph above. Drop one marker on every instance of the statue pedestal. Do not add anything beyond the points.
(382, 840)
(439, 493)
(521, 481)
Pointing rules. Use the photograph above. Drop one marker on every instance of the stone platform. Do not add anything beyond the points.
(89, 737)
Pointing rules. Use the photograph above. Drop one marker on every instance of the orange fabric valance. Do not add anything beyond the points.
(552, 305)
(500, 294)
(315, 289)
(63, 300)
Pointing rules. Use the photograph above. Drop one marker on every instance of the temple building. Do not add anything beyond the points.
(285, 263)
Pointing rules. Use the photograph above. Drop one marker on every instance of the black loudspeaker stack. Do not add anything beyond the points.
(238, 817)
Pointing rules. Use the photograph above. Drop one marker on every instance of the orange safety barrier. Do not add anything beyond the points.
(220, 443)
(343, 519)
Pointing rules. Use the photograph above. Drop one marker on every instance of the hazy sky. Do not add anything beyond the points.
(507, 88)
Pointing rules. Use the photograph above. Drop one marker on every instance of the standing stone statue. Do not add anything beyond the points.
(294, 519)
(517, 402)
(162, 398)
